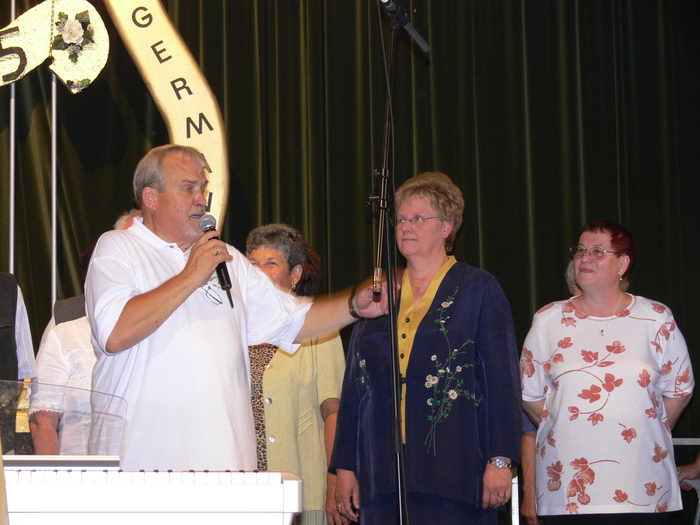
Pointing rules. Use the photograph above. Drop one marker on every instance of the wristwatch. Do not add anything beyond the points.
(499, 462)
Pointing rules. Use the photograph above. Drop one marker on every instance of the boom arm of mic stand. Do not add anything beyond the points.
(420, 42)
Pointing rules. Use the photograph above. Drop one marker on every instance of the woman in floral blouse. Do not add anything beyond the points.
(605, 375)
(460, 406)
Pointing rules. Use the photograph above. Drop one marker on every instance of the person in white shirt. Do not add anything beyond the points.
(168, 342)
(16, 356)
(15, 334)
(59, 412)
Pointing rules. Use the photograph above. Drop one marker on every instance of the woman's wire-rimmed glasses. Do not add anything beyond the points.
(595, 253)
(416, 220)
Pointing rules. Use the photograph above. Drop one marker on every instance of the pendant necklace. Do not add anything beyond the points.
(612, 317)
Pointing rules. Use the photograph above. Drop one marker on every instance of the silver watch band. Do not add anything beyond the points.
(500, 462)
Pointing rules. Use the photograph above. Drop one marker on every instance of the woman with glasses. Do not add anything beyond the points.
(295, 396)
(605, 375)
(460, 402)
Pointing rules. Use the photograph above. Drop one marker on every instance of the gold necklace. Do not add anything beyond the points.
(612, 317)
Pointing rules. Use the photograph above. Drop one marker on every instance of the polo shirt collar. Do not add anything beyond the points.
(148, 236)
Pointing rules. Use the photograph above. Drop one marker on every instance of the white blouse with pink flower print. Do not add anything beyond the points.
(604, 444)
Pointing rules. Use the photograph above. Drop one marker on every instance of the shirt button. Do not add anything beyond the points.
(268, 400)
(408, 319)
(403, 336)
(272, 439)
(401, 356)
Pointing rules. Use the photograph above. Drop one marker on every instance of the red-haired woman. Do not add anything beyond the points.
(605, 375)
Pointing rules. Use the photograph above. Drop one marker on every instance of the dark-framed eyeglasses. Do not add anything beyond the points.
(594, 253)
(416, 220)
(210, 290)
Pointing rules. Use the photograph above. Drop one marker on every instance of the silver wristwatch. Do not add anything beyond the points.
(499, 462)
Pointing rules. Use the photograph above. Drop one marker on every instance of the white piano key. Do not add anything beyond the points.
(263, 477)
(151, 478)
(90, 477)
(188, 477)
(274, 477)
(175, 478)
(112, 477)
(138, 478)
(25, 477)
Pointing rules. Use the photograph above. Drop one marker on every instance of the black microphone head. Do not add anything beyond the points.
(390, 6)
(207, 222)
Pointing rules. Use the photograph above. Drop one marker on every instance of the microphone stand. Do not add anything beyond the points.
(386, 247)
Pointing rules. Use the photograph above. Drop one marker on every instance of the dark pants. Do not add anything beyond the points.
(425, 509)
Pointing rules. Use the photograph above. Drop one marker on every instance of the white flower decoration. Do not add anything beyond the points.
(362, 363)
(446, 304)
(430, 380)
(452, 394)
(72, 32)
(459, 368)
(430, 402)
(433, 357)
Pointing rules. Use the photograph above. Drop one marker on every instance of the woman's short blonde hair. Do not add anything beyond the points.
(444, 196)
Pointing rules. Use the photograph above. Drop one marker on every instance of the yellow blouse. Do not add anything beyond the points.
(408, 321)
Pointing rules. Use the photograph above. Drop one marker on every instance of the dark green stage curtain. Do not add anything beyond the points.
(547, 114)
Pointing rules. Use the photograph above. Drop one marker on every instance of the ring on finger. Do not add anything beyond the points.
(216, 251)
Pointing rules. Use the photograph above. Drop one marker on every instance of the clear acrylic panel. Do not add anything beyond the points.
(40, 418)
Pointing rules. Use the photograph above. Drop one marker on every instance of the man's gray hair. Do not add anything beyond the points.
(148, 171)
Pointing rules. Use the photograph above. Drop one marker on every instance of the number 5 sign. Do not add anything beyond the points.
(71, 32)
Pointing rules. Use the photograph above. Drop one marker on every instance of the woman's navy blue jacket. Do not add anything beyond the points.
(463, 402)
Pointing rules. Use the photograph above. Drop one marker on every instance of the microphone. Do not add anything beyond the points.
(390, 7)
(207, 223)
(400, 18)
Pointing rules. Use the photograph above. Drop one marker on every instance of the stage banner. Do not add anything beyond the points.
(177, 85)
(70, 32)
